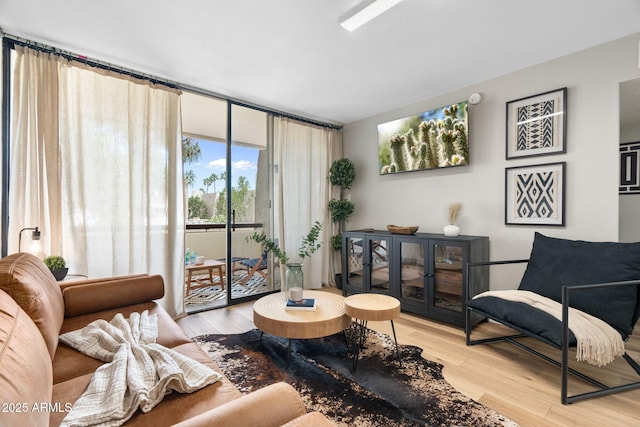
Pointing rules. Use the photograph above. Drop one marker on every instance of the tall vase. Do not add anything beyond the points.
(294, 281)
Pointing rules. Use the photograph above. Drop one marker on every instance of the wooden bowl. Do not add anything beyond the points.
(397, 229)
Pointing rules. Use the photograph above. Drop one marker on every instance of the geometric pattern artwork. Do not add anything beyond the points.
(629, 170)
(536, 125)
(535, 194)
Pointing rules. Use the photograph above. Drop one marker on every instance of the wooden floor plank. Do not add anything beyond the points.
(501, 376)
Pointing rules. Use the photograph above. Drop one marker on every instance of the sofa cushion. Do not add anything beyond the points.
(25, 367)
(559, 262)
(69, 363)
(93, 296)
(175, 407)
(524, 317)
(32, 285)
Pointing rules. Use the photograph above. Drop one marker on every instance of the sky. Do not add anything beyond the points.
(213, 160)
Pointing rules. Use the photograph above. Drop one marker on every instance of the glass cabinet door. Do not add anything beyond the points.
(448, 277)
(366, 263)
(412, 270)
(353, 263)
(377, 263)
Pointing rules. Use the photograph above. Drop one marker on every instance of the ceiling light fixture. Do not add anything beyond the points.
(365, 13)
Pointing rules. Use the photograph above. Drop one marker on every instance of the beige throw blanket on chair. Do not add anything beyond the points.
(597, 342)
(139, 372)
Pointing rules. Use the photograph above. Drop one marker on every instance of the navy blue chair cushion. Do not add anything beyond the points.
(558, 262)
(523, 316)
(251, 263)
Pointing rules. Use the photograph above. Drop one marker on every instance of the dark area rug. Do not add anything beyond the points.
(381, 393)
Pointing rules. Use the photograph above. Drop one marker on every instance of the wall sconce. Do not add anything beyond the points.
(34, 236)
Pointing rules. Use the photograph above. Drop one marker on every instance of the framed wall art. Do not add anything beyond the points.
(629, 170)
(535, 195)
(536, 125)
(437, 138)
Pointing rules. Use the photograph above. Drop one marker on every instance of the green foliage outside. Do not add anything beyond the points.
(241, 195)
(197, 208)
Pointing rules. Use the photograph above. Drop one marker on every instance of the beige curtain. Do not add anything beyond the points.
(34, 194)
(303, 154)
(119, 207)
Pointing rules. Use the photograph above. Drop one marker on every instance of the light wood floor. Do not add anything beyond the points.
(501, 376)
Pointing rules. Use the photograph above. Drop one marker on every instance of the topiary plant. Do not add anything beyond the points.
(55, 262)
(342, 173)
(340, 210)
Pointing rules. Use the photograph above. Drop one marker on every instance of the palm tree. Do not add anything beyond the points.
(223, 177)
(214, 178)
(207, 182)
(190, 178)
(190, 150)
(211, 179)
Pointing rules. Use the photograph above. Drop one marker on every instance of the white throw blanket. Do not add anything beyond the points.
(139, 373)
(597, 342)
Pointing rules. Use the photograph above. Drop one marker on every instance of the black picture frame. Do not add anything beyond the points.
(535, 194)
(629, 168)
(537, 125)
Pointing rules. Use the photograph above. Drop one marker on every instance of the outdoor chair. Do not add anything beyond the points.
(255, 265)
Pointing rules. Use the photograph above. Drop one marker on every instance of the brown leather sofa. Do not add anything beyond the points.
(41, 379)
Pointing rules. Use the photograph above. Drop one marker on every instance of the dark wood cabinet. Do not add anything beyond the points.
(425, 271)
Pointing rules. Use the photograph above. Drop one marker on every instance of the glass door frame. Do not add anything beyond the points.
(230, 214)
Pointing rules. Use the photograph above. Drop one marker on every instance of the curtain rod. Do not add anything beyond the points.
(15, 40)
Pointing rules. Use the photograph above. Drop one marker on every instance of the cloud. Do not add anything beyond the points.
(218, 164)
(240, 165)
(243, 165)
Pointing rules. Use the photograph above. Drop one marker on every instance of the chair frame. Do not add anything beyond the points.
(563, 364)
(256, 269)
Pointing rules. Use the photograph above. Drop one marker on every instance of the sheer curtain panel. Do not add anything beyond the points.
(303, 154)
(121, 208)
(34, 175)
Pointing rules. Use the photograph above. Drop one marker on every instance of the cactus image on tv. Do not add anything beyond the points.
(434, 139)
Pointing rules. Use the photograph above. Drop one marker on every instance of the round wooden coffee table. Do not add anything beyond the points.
(270, 316)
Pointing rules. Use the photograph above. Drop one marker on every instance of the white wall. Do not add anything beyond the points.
(422, 198)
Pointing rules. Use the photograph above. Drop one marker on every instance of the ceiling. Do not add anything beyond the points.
(292, 56)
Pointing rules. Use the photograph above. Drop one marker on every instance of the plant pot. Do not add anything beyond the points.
(338, 279)
(60, 273)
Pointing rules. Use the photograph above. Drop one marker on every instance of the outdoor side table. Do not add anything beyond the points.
(370, 307)
(209, 265)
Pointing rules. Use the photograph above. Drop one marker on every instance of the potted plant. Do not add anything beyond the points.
(342, 173)
(57, 265)
(293, 277)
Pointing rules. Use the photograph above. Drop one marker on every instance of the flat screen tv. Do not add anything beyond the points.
(437, 138)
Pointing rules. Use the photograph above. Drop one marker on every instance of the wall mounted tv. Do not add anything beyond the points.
(437, 138)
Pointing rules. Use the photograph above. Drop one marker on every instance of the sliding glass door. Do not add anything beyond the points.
(249, 189)
(228, 189)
